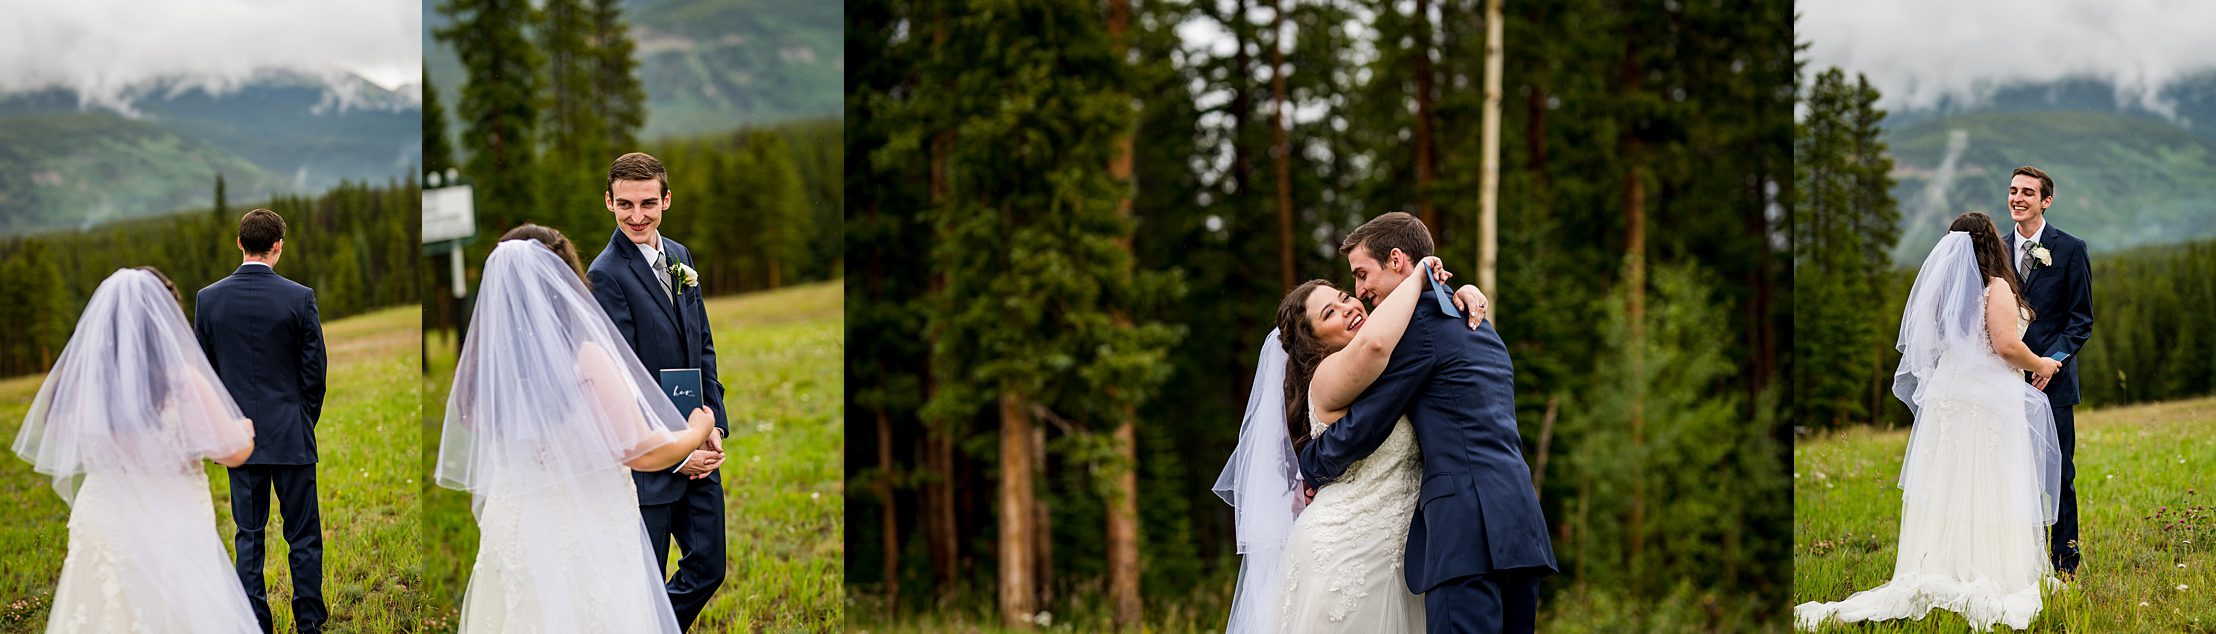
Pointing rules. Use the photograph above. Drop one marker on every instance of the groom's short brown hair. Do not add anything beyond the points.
(637, 166)
(259, 230)
(1396, 230)
(2046, 185)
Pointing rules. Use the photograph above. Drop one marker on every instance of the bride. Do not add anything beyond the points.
(121, 425)
(1338, 566)
(1979, 480)
(549, 410)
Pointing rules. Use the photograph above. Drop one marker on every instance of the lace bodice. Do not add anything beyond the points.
(1347, 555)
(1398, 454)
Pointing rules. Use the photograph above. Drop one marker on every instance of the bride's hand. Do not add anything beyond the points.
(701, 417)
(1473, 303)
(2045, 371)
(1438, 268)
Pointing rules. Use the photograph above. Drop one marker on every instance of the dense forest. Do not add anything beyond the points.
(344, 243)
(1069, 224)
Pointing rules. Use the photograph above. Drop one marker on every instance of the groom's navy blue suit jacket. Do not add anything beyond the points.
(262, 334)
(2061, 298)
(664, 336)
(1477, 513)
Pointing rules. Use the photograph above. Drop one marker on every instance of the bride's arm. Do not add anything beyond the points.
(618, 407)
(1343, 375)
(2000, 325)
(205, 396)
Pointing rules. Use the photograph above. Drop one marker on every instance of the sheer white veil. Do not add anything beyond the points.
(1945, 318)
(131, 394)
(121, 424)
(1262, 484)
(546, 388)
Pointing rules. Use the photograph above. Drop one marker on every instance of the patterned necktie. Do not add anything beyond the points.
(661, 273)
(2023, 264)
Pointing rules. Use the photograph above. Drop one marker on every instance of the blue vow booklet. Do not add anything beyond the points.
(683, 389)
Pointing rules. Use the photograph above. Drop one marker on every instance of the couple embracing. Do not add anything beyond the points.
(1379, 481)
(581, 468)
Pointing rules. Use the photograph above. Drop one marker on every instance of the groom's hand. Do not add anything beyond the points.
(701, 463)
(714, 442)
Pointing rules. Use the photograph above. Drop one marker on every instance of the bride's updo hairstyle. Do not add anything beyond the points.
(1992, 252)
(554, 240)
(1303, 351)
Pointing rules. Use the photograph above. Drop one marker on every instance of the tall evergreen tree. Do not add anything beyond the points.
(438, 147)
(500, 105)
(619, 98)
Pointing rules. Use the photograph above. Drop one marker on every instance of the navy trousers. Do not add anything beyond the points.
(296, 501)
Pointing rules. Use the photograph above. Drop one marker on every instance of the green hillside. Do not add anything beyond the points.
(78, 169)
(2121, 180)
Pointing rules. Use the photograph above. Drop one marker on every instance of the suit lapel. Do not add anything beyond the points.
(644, 271)
(2047, 236)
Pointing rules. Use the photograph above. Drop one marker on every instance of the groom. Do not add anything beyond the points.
(658, 309)
(2058, 283)
(1478, 544)
(265, 341)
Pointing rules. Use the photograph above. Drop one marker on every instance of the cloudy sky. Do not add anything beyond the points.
(113, 52)
(1918, 51)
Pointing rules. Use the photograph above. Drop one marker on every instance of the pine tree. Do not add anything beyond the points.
(438, 148)
(620, 100)
(500, 106)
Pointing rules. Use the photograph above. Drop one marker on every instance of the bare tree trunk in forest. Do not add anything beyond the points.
(1284, 158)
(1488, 176)
(1635, 255)
(1426, 162)
(1042, 526)
(1018, 504)
(892, 513)
(1241, 110)
(1123, 502)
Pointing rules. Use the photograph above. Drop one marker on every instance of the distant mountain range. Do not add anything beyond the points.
(710, 65)
(63, 166)
(2124, 175)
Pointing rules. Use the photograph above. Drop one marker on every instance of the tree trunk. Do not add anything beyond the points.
(892, 513)
(1018, 507)
(1123, 501)
(1635, 256)
(1488, 176)
(1042, 526)
(1284, 158)
(1426, 164)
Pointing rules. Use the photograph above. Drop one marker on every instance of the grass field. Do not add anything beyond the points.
(779, 355)
(2145, 475)
(365, 481)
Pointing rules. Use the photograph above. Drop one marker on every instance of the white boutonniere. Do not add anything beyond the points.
(2040, 254)
(683, 275)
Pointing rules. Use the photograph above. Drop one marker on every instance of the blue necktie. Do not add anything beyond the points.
(1439, 291)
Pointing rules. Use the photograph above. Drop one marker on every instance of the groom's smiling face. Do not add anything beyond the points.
(638, 207)
(2025, 204)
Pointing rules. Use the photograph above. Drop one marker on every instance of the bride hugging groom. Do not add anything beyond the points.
(1379, 481)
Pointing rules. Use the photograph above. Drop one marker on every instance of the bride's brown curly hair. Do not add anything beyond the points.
(1303, 352)
(1992, 253)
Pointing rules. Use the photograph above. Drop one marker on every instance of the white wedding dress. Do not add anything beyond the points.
(1345, 559)
(118, 539)
(1972, 537)
(566, 559)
